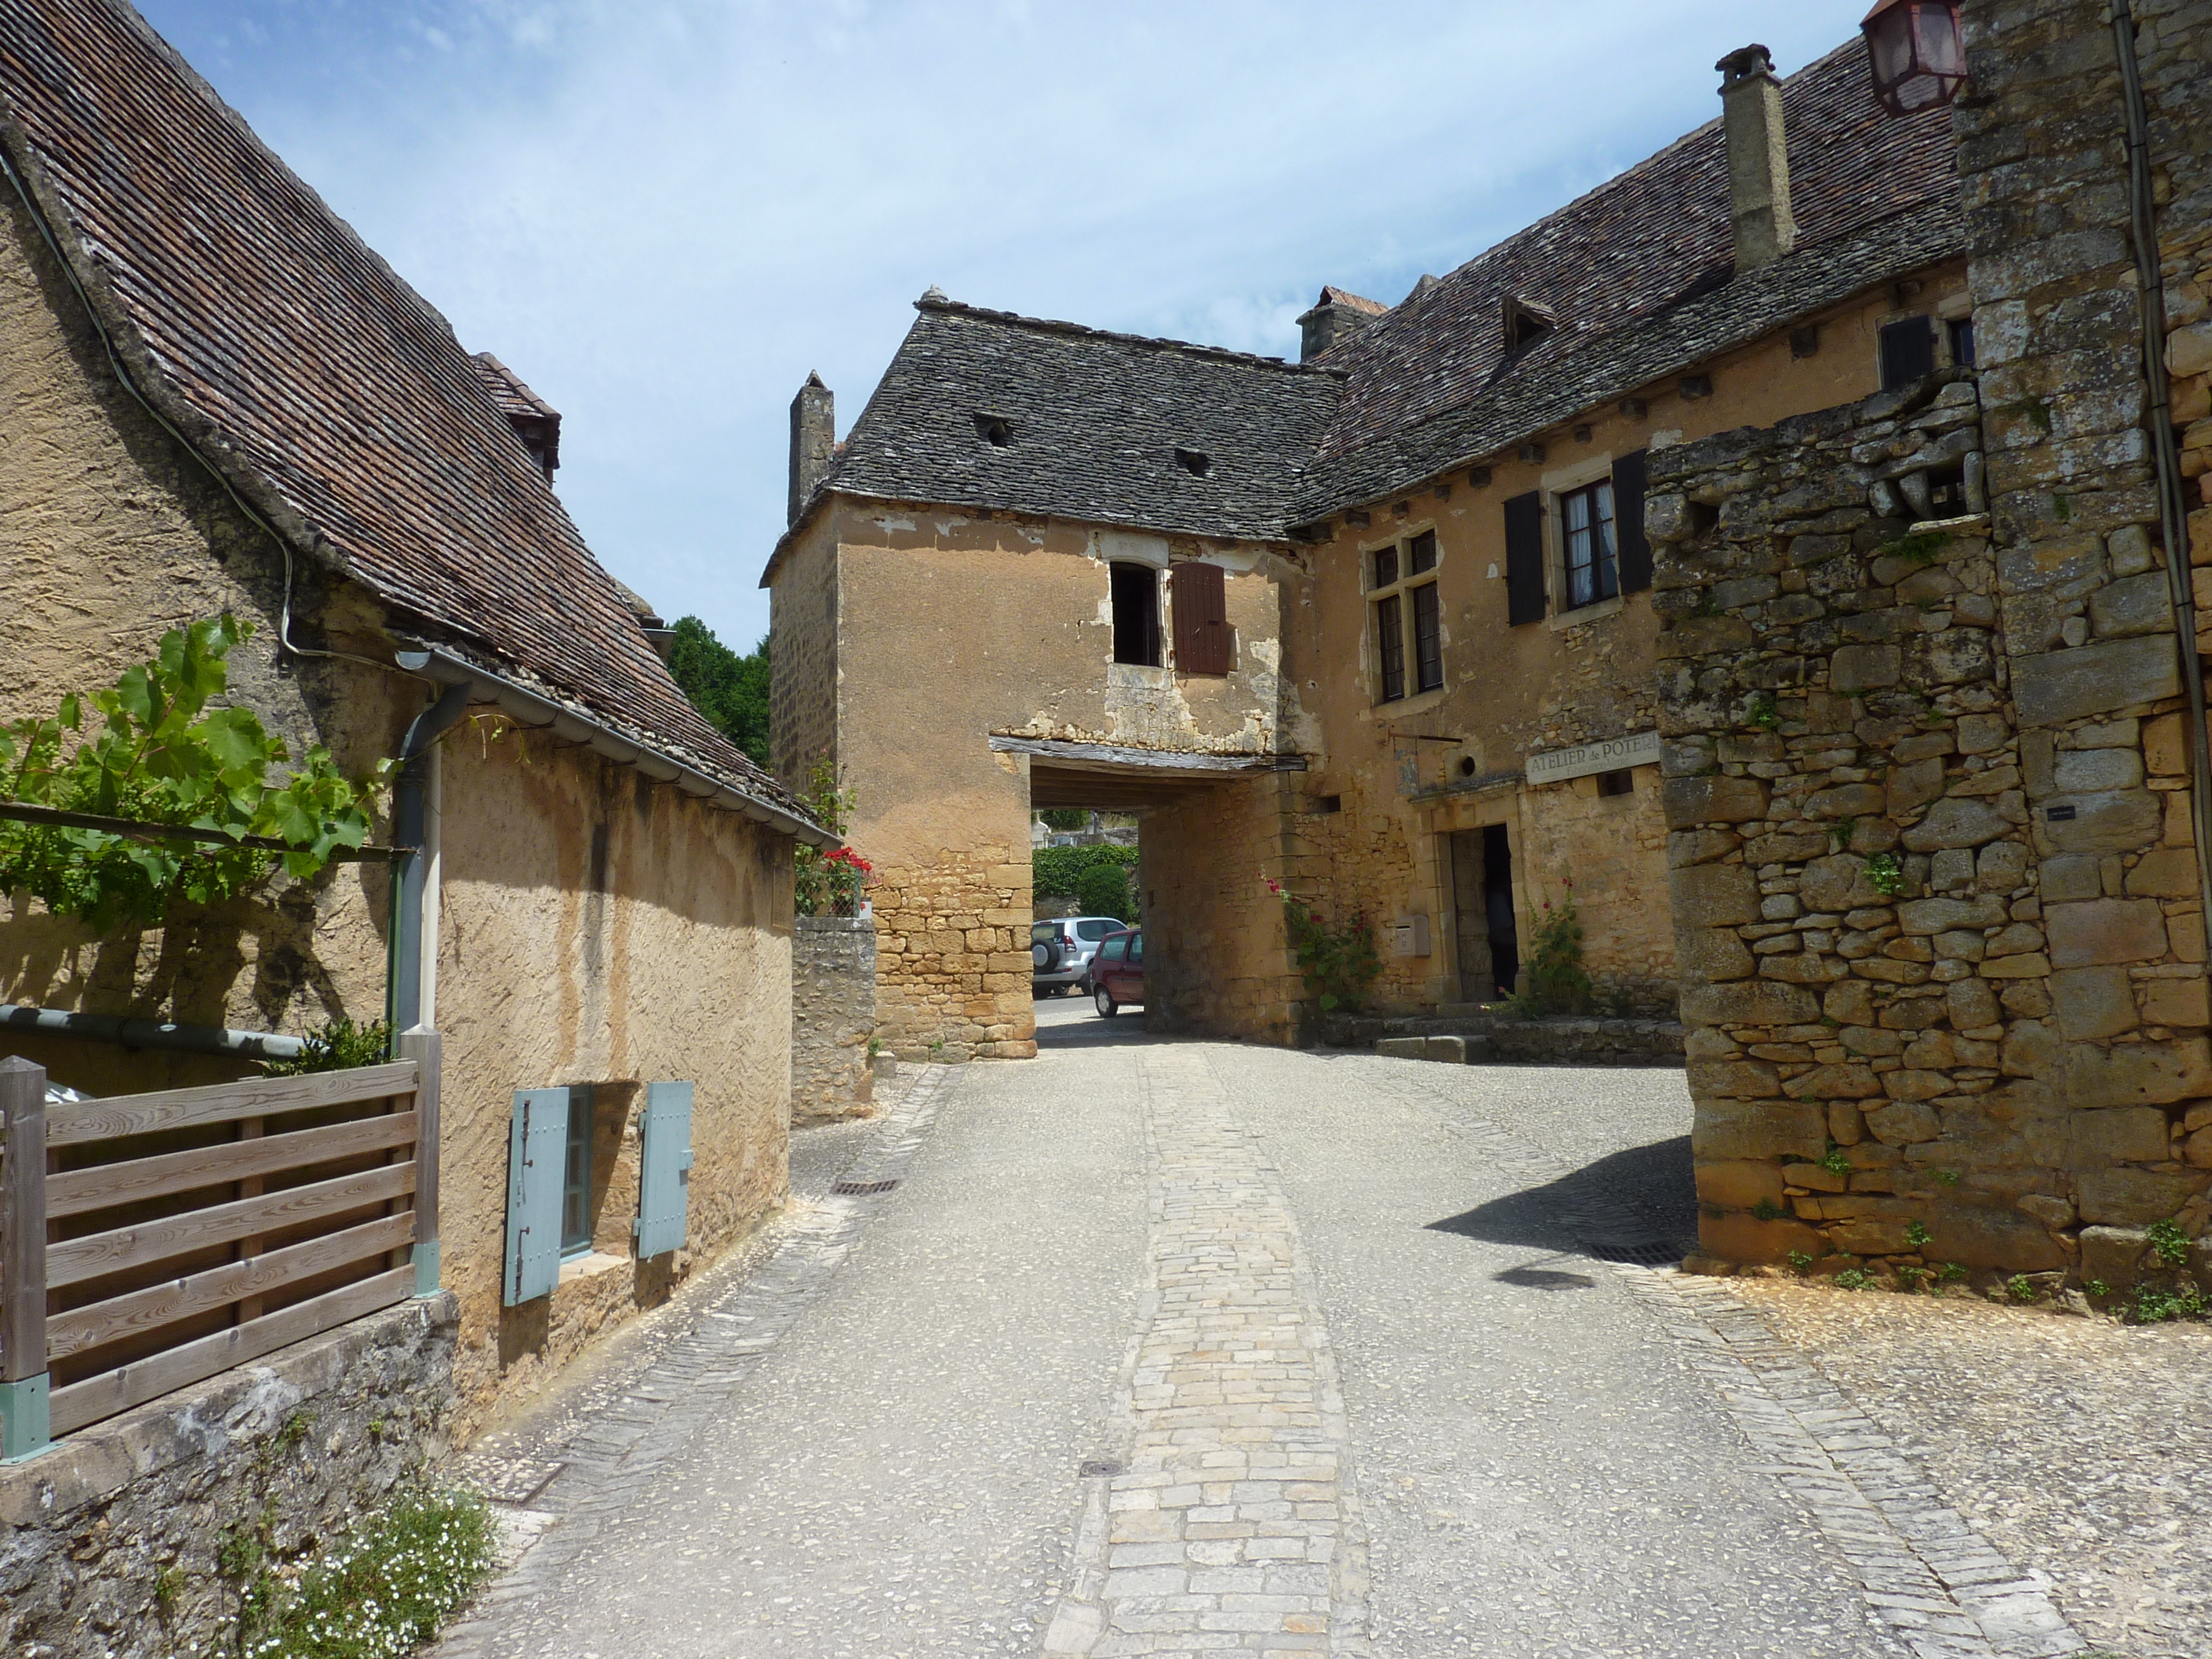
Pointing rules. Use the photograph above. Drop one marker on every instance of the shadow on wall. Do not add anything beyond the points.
(1657, 1180)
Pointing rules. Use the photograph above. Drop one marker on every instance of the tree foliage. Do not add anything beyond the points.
(1103, 891)
(730, 690)
(156, 753)
(1057, 872)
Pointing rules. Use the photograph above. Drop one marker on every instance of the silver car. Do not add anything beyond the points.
(1061, 951)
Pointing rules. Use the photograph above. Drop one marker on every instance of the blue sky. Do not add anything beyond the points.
(663, 214)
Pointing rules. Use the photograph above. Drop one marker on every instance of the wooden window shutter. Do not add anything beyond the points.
(664, 1174)
(1524, 559)
(1908, 352)
(1635, 551)
(536, 1166)
(1197, 593)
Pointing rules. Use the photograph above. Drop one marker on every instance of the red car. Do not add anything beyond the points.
(1117, 972)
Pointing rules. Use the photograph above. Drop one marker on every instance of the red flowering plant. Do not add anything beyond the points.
(1338, 964)
(1558, 982)
(829, 883)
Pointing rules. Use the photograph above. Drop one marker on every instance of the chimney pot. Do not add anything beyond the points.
(813, 441)
(1334, 316)
(1757, 158)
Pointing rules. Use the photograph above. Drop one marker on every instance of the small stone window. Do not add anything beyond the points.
(1196, 462)
(1618, 782)
(1136, 595)
(996, 430)
(1959, 333)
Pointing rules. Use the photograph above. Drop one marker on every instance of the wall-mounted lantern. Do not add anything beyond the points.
(1916, 54)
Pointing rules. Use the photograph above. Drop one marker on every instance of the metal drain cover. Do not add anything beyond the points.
(1650, 1253)
(1102, 1466)
(859, 1187)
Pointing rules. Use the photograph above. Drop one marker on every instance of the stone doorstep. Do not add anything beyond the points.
(1451, 1050)
(97, 1461)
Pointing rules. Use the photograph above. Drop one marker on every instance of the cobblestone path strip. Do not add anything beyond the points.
(1232, 1526)
(1943, 1589)
(611, 1462)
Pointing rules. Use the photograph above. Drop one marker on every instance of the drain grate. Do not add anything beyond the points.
(1102, 1466)
(856, 1187)
(1650, 1253)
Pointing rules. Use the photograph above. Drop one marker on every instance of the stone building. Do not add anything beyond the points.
(1432, 702)
(1936, 764)
(214, 397)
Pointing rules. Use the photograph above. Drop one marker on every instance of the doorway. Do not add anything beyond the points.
(1482, 907)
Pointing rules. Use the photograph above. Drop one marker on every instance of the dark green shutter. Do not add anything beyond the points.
(1628, 523)
(1524, 559)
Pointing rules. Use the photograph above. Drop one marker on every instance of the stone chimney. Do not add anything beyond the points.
(1758, 159)
(813, 439)
(1335, 315)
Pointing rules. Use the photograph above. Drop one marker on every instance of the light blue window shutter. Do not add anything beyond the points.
(537, 1163)
(665, 1184)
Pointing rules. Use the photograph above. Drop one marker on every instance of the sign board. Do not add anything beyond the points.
(1607, 755)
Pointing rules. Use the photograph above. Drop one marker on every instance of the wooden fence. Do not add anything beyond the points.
(149, 1240)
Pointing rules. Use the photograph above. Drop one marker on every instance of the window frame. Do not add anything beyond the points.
(1395, 593)
(576, 1174)
(1152, 631)
(1605, 583)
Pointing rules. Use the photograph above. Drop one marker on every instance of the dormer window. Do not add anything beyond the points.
(996, 430)
(1195, 462)
(1525, 324)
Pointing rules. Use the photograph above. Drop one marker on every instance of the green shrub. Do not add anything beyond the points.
(340, 1046)
(1337, 963)
(1558, 982)
(1103, 891)
(1055, 871)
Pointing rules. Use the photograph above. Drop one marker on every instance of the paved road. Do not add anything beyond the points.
(1165, 1348)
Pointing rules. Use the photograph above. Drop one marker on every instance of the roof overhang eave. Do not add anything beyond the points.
(532, 708)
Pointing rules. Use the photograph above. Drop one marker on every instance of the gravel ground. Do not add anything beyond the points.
(2079, 1447)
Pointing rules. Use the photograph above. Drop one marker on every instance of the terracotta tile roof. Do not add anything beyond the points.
(330, 394)
(1113, 429)
(1641, 247)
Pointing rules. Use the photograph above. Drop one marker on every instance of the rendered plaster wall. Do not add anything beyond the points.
(833, 1017)
(1217, 955)
(953, 628)
(593, 932)
(599, 930)
(110, 1542)
(1933, 886)
(108, 537)
(1509, 691)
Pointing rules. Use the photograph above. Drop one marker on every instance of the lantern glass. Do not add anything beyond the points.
(1917, 58)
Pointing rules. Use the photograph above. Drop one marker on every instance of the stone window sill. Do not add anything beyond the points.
(1588, 613)
(591, 1264)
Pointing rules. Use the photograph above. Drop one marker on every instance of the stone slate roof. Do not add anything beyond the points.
(1638, 277)
(1095, 423)
(329, 394)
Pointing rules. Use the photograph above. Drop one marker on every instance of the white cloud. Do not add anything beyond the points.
(664, 213)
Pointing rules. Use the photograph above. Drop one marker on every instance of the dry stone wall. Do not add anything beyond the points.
(953, 958)
(833, 1017)
(1932, 884)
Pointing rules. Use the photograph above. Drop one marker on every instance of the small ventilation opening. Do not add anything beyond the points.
(1946, 491)
(1325, 804)
(1466, 765)
(994, 429)
(1196, 462)
(1620, 783)
(1525, 324)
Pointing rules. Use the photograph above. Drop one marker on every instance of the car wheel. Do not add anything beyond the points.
(1103, 1000)
(1040, 956)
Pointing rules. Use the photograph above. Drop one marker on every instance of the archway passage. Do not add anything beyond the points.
(1213, 827)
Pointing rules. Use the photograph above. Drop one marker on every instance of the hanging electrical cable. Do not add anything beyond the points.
(2173, 505)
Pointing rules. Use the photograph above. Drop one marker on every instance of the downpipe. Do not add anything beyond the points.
(418, 753)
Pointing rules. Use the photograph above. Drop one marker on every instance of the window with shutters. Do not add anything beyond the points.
(1136, 593)
(1198, 601)
(1589, 545)
(1908, 352)
(576, 1174)
(1408, 617)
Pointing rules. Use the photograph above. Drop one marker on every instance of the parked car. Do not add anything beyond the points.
(1060, 952)
(1117, 973)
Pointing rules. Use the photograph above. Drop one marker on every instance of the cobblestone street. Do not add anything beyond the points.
(1156, 1347)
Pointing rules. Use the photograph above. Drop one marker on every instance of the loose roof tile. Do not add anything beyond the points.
(329, 394)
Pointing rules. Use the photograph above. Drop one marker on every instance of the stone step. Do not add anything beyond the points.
(1458, 1050)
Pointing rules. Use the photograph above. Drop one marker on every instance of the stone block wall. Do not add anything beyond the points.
(1933, 887)
(952, 956)
(108, 1542)
(833, 1017)
(1217, 954)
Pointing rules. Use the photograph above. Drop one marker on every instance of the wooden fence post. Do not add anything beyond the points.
(421, 1044)
(25, 1425)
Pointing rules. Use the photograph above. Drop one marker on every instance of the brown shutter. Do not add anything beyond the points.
(1628, 523)
(1201, 618)
(1524, 559)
